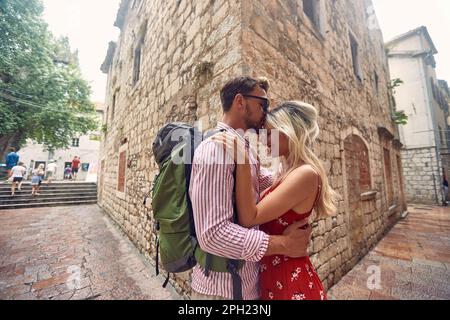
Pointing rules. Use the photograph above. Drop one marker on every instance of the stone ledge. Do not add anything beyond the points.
(370, 195)
(392, 210)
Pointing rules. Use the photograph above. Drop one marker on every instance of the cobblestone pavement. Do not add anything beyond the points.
(72, 253)
(413, 260)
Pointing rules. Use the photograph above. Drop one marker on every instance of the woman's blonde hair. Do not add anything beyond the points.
(298, 121)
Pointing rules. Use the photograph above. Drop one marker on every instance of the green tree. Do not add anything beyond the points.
(399, 116)
(43, 96)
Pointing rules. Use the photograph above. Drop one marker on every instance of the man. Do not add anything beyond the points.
(445, 188)
(17, 174)
(75, 167)
(11, 160)
(51, 171)
(245, 103)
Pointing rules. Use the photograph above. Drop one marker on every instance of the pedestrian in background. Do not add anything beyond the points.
(11, 160)
(36, 180)
(445, 187)
(68, 172)
(75, 167)
(17, 174)
(51, 171)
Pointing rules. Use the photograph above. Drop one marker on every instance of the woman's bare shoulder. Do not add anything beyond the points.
(305, 177)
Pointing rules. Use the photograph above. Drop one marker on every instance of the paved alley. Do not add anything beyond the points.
(77, 253)
(73, 253)
(412, 261)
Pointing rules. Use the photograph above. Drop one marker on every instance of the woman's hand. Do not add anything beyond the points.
(233, 146)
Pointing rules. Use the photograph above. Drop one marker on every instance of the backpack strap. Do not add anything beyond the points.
(233, 265)
(167, 281)
(156, 227)
(208, 263)
(157, 257)
(188, 171)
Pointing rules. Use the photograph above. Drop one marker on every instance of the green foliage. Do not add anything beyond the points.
(397, 82)
(42, 93)
(398, 116)
(104, 128)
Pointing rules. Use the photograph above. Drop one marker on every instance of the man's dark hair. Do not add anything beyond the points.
(241, 85)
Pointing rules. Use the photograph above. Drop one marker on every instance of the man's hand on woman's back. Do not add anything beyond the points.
(297, 239)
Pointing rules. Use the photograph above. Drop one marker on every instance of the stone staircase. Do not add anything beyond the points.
(53, 195)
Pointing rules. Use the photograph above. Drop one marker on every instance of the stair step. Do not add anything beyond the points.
(54, 194)
(54, 185)
(44, 187)
(46, 204)
(25, 195)
(28, 182)
(44, 199)
(47, 192)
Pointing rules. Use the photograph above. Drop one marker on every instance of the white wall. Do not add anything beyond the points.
(88, 151)
(412, 97)
(409, 44)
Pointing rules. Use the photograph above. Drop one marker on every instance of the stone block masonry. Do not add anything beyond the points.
(422, 176)
(170, 63)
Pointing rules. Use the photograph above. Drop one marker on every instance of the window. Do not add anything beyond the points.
(441, 135)
(113, 106)
(121, 173)
(376, 82)
(75, 142)
(310, 8)
(388, 171)
(137, 64)
(400, 176)
(355, 57)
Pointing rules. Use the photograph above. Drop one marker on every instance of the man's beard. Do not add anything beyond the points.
(252, 125)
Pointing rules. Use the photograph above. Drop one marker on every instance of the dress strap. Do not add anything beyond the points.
(318, 192)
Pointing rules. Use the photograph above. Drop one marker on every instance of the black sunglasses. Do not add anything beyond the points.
(266, 102)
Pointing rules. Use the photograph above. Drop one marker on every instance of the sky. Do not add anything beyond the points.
(400, 16)
(89, 26)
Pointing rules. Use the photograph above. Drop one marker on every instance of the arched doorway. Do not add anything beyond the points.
(358, 182)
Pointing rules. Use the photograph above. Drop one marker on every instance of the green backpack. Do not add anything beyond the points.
(177, 243)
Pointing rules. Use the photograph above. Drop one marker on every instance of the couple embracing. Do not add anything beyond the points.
(272, 233)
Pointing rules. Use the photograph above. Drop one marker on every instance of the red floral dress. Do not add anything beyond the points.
(284, 278)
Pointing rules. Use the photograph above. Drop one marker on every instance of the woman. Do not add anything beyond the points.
(36, 179)
(300, 187)
(17, 174)
(68, 172)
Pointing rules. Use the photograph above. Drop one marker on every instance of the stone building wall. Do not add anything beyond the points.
(422, 188)
(311, 60)
(190, 48)
(177, 83)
